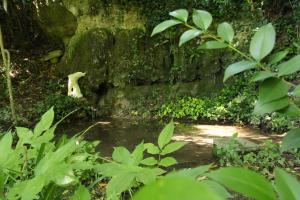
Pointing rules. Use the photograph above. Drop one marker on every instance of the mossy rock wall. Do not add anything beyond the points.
(124, 64)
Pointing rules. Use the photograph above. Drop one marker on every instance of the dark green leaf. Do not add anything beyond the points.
(262, 75)
(166, 135)
(213, 45)
(189, 35)
(244, 181)
(176, 188)
(272, 89)
(225, 31)
(82, 193)
(287, 185)
(277, 57)
(172, 147)
(296, 91)
(289, 67)
(202, 19)
(269, 107)
(167, 162)
(292, 111)
(149, 161)
(238, 67)
(45, 122)
(291, 140)
(181, 14)
(164, 25)
(263, 42)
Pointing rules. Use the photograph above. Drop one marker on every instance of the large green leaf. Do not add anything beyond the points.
(287, 186)
(263, 42)
(27, 190)
(291, 140)
(164, 26)
(191, 172)
(238, 67)
(172, 147)
(225, 31)
(219, 189)
(213, 45)
(181, 14)
(167, 162)
(166, 135)
(244, 181)
(272, 106)
(292, 111)
(272, 89)
(289, 67)
(2, 184)
(262, 75)
(82, 193)
(121, 155)
(118, 184)
(138, 154)
(202, 19)
(189, 35)
(45, 122)
(296, 91)
(176, 188)
(277, 57)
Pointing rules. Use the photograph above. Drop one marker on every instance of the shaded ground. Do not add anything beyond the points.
(198, 151)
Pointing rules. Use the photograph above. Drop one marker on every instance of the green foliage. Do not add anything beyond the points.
(273, 92)
(130, 170)
(36, 167)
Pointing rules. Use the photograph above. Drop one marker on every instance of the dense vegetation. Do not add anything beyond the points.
(261, 89)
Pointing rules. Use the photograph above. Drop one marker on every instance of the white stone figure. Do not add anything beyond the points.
(73, 87)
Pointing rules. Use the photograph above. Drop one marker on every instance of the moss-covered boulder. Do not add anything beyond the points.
(89, 52)
(57, 20)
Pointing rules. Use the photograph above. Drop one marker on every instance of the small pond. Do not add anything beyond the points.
(129, 133)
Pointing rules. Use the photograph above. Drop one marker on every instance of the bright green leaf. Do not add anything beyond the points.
(289, 67)
(213, 45)
(244, 181)
(291, 140)
(225, 31)
(272, 89)
(165, 25)
(296, 91)
(176, 188)
(287, 185)
(167, 162)
(202, 19)
(149, 161)
(138, 153)
(262, 75)
(166, 135)
(121, 155)
(181, 14)
(269, 107)
(45, 122)
(192, 172)
(151, 148)
(219, 189)
(189, 35)
(263, 42)
(238, 67)
(118, 184)
(82, 193)
(277, 57)
(172, 147)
